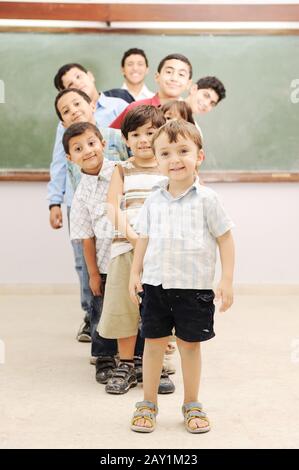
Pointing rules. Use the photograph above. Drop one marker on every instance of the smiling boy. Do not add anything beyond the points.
(134, 67)
(205, 95)
(179, 226)
(173, 77)
(60, 187)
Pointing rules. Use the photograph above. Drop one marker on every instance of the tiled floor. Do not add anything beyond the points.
(50, 399)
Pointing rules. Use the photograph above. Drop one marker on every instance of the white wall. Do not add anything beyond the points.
(266, 234)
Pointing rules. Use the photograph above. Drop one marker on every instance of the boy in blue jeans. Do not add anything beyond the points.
(74, 106)
(180, 225)
(60, 190)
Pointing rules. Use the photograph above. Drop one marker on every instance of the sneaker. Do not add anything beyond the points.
(166, 385)
(123, 378)
(105, 366)
(138, 368)
(83, 335)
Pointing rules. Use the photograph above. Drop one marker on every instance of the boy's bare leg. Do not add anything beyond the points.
(191, 369)
(152, 366)
(126, 347)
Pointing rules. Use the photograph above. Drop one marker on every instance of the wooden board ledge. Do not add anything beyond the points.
(207, 176)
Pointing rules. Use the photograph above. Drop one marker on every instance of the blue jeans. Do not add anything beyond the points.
(92, 306)
(101, 346)
(86, 296)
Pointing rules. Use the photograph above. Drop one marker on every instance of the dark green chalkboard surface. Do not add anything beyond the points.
(255, 128)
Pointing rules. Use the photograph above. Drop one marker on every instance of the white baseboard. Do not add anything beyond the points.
(73, 289)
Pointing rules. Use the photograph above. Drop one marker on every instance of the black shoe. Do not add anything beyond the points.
(123, 378)
(166, 384)
(84, 335)
(138, 368)
(105, 365)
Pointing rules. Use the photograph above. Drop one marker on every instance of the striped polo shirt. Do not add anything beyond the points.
(138, 184)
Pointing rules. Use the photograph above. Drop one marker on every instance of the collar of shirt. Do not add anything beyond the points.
(104, 173)
(102, 101)
(163, 185)
(155, 100)
(143, 92)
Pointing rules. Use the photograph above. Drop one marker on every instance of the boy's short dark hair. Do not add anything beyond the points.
(181, 107)
(62, 71)
(134, 51)
(176, 128)
(64, 92)
(180, 57)
(78, 129)
(214, 83)
(140, 115)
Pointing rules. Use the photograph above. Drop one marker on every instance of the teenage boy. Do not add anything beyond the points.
(205, 94)
(134, 67)
(59, 187)
(173, 77)
(180, 225)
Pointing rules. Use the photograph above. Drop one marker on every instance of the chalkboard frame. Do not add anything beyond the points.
(137, 12)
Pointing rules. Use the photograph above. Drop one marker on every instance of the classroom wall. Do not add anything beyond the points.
(266, 233)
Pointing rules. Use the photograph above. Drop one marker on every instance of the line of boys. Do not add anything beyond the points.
(202, 98)
(124, 376)
(183, 301)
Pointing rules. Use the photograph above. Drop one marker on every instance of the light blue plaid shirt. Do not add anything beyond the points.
(182, 231)
(60, 186)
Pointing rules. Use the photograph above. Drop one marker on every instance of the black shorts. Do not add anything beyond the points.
(189, 311)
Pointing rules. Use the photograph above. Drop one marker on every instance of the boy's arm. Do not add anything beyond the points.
(135, 282)
(95, 280)
(227, 256)
(56, 186)
(115, 214)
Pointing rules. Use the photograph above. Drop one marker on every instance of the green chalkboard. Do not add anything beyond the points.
(254, 128)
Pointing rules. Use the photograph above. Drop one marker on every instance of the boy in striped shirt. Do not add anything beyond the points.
(131, 183)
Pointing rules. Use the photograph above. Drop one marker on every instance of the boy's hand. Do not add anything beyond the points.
(56, 217)
(135, 287)
(224, 292)
(95, 284)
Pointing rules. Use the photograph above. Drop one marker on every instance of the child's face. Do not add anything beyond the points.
(86, 150)
(76, 78)
(73, 108)
(140, 141)
(135, 69)
(177, 160)
(173, 79)
(202, 100)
